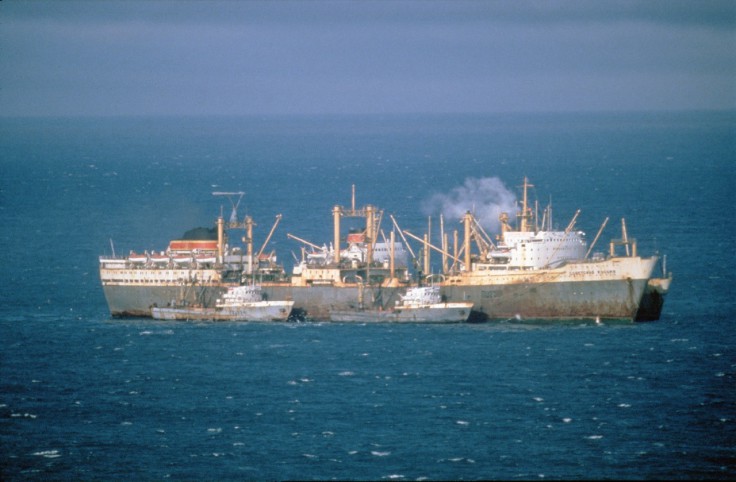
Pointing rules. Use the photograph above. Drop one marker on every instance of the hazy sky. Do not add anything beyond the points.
(323, 57)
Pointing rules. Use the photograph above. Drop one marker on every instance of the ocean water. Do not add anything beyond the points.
(85, 396)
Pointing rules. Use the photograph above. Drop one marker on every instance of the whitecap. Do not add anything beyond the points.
(379, 453)
(49, 454)
(214, 430)
(624, 405)
(594, 437)
(310, 456)
(346, 373)
(24, 415)
(462, 422)
(394, 476)
(567, 420)
(538, 399)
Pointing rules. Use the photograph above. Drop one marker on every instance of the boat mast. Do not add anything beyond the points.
(220, 238)
(233, 223)
(248, 239)
(525, 214)
(467, 219)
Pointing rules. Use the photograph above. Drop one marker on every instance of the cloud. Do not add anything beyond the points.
(337, 57)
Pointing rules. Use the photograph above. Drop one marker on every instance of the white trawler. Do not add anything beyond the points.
(239, 303)
(421, 304)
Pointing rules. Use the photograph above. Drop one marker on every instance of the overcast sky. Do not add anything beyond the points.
(339, 57)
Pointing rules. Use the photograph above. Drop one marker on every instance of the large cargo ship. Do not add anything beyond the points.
(531, 272)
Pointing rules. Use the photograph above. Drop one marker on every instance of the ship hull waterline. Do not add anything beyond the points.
(274, 312)
(441, 313)
(610, 299)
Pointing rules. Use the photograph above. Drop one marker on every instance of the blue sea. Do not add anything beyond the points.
(86, 396)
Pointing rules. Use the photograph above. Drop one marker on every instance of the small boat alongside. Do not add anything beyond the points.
(239, 303)
(421, 304)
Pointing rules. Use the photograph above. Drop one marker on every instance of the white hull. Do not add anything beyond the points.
(255, 311)
(436, 313)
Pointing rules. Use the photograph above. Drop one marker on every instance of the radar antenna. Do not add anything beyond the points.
(233, 223)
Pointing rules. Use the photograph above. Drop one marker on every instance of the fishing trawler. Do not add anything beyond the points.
(421, 304)
(239, 303)
(531, 271)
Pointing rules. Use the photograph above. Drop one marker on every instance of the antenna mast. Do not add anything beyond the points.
(233, 223)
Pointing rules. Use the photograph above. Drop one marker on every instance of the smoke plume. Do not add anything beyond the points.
(486, 198)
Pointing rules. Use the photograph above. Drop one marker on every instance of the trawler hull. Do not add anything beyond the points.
(260, 311)
(440, 313)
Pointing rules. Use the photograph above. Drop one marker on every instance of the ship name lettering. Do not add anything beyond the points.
(594, 272)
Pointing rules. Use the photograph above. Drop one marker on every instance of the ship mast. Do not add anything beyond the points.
(232, 223)
(372, 216)
(526, 213)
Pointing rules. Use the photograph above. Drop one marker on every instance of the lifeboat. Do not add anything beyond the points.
(159, 258)
(137, 257)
